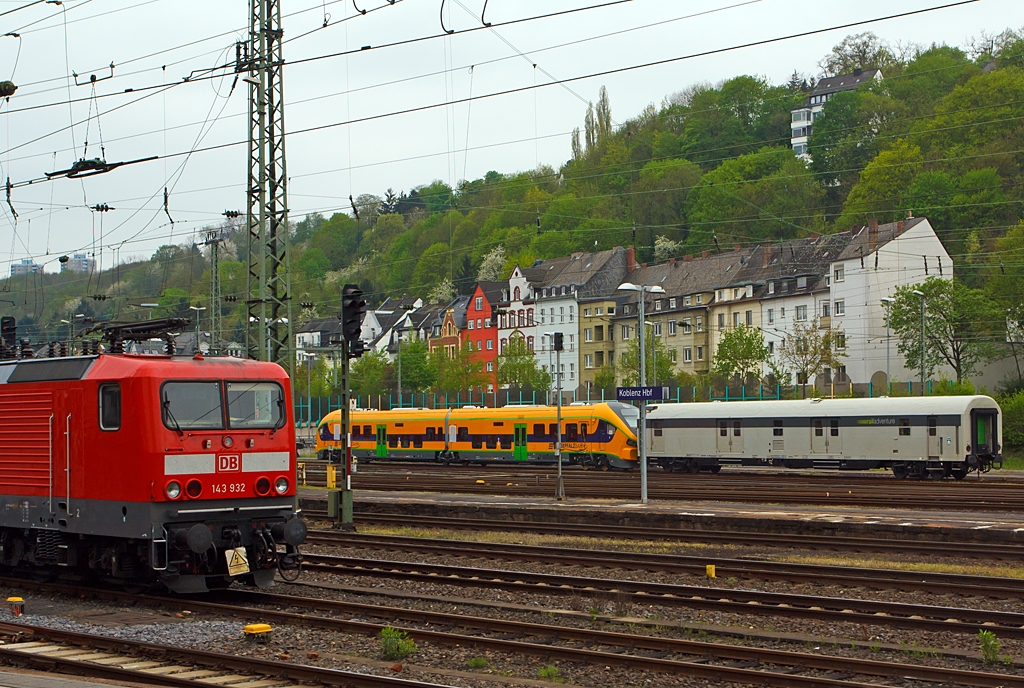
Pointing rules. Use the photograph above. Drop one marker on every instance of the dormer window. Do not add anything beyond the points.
(785, 286)
(801, 282)
(750, 290)
(657, 305)
(671, 303)
(700, 299)
(516, 296)
(718, 295)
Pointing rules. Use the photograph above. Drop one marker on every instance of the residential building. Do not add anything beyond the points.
(598, 333)
(79, 262)
(481, 332)
(803, 116)
(516, 315)
(27, 266)
(446, 333)
(565, 283)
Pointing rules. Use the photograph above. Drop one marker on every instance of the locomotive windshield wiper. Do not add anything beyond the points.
(167, 410)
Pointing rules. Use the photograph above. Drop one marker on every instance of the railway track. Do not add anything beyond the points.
(1004, 495)
(746, 602)
(102, 657)
(847, 576)
(979, 550)
(699, 659)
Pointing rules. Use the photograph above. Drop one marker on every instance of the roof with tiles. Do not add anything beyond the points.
(843, 82)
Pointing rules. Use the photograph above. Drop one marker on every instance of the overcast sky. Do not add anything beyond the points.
(505, 133)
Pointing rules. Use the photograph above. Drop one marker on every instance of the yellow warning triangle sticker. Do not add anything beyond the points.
(236, 559)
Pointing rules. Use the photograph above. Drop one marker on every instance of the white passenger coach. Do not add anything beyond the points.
(914, 436)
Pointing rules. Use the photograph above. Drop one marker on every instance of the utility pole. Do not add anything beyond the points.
(924, 343)
(558, 343)
(642, 429)
(269, 334)
(213, 240)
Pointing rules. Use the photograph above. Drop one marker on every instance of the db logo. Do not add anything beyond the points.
(229, 463)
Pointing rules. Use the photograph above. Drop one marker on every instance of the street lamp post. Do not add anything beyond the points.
(887, 303)
(309, 386)
(654, 353)
(398, 335)
(198, 310)
(923, 343)
(641, 431)
(70, 322)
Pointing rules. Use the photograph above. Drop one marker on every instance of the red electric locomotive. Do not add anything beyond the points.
(148, 469)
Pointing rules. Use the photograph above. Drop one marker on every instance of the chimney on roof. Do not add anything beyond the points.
(857, 71)
(688, 257)
(703, 254)
(643, 265)
(671, 261)
(630, 259)
(766, 252)
(872, 234)
(899, 226)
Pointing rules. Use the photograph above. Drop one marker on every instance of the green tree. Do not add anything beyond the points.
(458, 373)
(417, 374)
(628, 365)
(859, 51)
(314, 264)
(338, 238)
(808, 350)
(174, 303)
(371, 374)
(518, 367)
(961, 326)
(432, 267)
(882, 185)
(604, 378)
(741, 353)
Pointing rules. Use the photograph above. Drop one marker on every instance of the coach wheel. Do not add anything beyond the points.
(668, 467)
(716, 469)
(602, 463)
(692, 466)
(899, 470)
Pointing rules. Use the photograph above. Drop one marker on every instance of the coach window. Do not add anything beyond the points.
(110, 407)
(538, 429)
(571, 432)
(776, 428)
(723, 428)
(255, 405)
(657, 428)
(905, 426)
(430, 434)
(463, 435)
(553, 429)
(833, 429)
(192, 406)
(819, 430)
(931, 427)
(583, 430)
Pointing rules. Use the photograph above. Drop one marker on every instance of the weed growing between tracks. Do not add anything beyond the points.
(395, 644)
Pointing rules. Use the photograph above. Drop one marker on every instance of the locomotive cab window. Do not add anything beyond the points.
(110, 407)
(255, 405)
(192, 406)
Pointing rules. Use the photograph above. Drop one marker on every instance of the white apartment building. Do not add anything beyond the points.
(804, 116)
(856, 270)
(517, 312)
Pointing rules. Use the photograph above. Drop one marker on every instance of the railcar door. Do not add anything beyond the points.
(657, 436)
(61, 443)
(722, 444)
(834, 441)
(934, 441)
(519, 450)
(382, 441)
(736, 440)
(819, 439)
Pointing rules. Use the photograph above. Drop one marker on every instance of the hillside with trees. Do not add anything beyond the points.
(709, 168)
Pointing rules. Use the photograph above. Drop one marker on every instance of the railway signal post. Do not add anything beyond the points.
(559, 345)
(352, 309)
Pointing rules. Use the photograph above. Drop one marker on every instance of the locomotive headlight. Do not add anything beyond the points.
(173, 490)
(228, 441)
(281, 485)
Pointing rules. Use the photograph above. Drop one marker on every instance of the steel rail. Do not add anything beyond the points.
(981, 550)
(849, 576)
(869, 612)
(286, 670)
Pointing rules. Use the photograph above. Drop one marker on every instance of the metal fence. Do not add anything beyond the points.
(310, 411)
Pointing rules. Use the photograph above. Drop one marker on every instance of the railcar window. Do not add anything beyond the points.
(430, 434)
(833, 429)
(553, 429)
(367, 430)
(192, 406)
(723, 429)
(572, 432)
(255, 405)
(777, 428)
(818, 429)
(583, 429)
(905, 426)
(657, 429)
(463, 435)
(931, 427)
(506, 441)
(736, 428)
(538, 429)
(110, 407)
(492, 441)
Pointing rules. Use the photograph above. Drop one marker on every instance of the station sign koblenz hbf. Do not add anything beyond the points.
(639, 393)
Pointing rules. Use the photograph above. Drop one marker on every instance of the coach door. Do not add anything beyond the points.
(934, 441)
(519, 451)
(382, 441)
(730, 436)
(819, 435)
